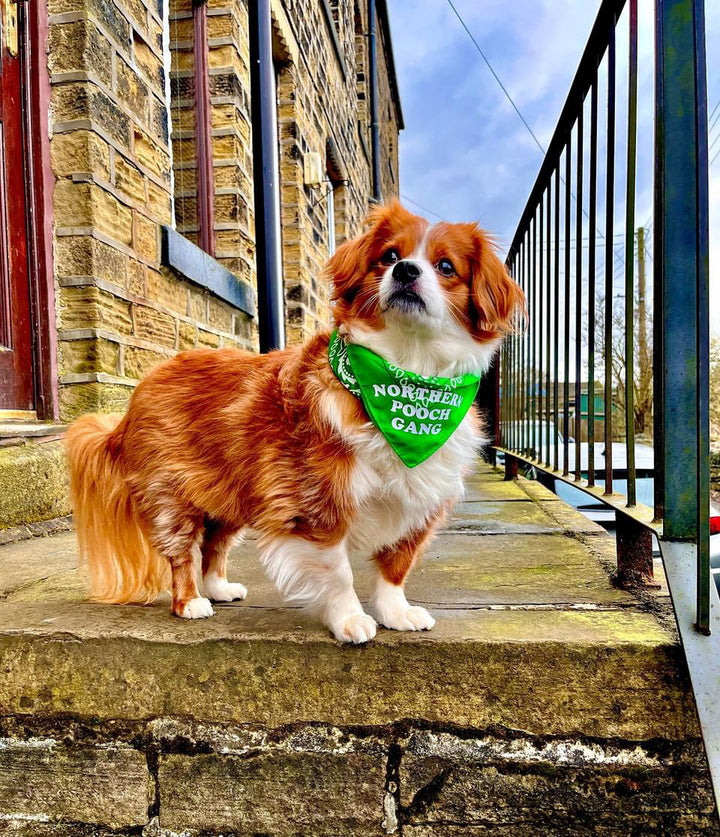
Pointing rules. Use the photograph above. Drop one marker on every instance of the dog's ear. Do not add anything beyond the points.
(351, 261)
(346, 267)
(497, 303)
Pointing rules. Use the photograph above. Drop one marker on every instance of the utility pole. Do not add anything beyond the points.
(643, 350)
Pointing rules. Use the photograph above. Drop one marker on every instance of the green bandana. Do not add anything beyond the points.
(415, 413)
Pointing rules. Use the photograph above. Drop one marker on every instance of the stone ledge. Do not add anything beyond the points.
(520, 616)
(544, 701)
(30, 429)
(515, 668)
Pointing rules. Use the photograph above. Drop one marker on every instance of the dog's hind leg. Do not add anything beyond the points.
(217, 542)
(176, 533)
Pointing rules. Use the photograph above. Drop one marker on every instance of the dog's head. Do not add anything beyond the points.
(434, 298)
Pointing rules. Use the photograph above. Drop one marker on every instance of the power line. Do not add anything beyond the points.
(515, 107)
(424, 208)
(495, 76)
(714, 142)
(710, 118)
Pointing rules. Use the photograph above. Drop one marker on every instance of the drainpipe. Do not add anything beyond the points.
(374, 124)
(266, 177)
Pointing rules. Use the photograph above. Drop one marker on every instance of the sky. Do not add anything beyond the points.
(465, 153)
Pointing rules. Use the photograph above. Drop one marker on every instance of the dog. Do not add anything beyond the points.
(215, 441)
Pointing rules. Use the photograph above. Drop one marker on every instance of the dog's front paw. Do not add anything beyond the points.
(356, 629)
(406, 618)
(392, 609)
(199, 608)
(221, 590)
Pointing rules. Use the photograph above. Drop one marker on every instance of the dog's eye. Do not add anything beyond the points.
(390, 256)
(446, 267)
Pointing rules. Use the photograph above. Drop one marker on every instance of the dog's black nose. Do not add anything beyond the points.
(406, 272)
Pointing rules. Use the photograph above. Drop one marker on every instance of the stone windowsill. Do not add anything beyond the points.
(195, 265)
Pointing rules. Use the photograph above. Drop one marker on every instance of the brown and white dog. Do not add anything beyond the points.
(215, 441)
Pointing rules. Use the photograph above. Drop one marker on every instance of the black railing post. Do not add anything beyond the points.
(609, 259)
(488, 400)
(630, 258)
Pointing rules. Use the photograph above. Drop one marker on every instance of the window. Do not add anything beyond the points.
(190, 123)
(209, 255)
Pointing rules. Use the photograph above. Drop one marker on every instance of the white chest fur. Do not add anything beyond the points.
(393, 500)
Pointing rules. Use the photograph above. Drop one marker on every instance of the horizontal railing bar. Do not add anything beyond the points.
(596, 46)
(640, 513)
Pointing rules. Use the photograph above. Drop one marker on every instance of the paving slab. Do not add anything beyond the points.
(498, 517)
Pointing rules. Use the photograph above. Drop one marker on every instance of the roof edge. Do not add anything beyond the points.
(384, 18)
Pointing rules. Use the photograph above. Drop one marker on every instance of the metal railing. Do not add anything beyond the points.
(587, 322)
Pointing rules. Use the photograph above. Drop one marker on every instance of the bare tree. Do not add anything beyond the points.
(642, 354)
(715, 392)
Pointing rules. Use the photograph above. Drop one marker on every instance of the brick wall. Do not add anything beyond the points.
(118, 311)
(387, 118)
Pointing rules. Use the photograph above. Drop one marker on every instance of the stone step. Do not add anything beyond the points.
(544, 701)
(33, 483)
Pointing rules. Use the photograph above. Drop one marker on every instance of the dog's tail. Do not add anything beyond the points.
(122, 565)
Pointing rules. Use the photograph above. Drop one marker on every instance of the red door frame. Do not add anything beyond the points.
(16, 359)
(39, 184)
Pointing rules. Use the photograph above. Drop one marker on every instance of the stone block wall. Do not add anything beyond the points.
(125, 165)
(174, 777)
(387, 119)
(118, 312)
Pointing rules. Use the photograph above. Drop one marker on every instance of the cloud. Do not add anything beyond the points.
(460, 125)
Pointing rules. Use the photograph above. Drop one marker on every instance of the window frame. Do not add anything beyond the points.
(203, 131)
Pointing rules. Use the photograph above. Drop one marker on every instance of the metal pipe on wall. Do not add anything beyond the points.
(374, 121)
(266, 177)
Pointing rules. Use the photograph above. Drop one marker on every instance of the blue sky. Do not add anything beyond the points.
(465, 154)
